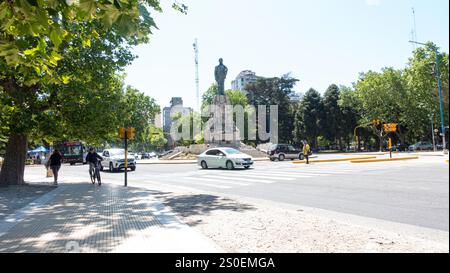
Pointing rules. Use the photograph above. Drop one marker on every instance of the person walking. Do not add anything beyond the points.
(306, 151)
(54, 162)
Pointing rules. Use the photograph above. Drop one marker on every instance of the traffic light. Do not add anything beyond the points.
(130, 132)
(390, 127)
(376, 122)
(122, 133)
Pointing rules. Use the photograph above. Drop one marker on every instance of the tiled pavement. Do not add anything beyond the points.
(81, 217)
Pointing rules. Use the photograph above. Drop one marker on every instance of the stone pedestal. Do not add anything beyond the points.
(224, 132)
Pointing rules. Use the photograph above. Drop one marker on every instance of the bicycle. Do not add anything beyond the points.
(95, 173)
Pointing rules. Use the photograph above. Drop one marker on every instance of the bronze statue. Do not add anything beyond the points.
(220, 74)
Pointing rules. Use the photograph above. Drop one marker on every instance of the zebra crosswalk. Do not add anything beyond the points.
(225, 179)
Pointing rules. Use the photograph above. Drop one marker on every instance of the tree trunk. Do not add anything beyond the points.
(13, 168)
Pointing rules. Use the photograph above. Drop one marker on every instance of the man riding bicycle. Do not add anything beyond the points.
(93, 158)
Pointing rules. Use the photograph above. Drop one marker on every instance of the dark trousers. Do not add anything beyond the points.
(307, 159)
(55, 170)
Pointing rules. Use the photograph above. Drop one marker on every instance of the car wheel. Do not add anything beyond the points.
(301, 157)
(281, 157)
(204, 165)
(230, 165)
(133, 169)
(111, 167)
(272, 159)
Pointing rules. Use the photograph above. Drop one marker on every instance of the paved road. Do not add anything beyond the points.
(411, 192)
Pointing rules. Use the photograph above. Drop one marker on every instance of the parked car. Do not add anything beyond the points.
(421, 146)
(224, 158)
(114, 160)
(285, 151)
(145, 156)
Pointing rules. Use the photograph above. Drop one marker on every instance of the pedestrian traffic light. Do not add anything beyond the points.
(130, 132)
(122, 133)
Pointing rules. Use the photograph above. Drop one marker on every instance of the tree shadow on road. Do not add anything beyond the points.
(200, 204)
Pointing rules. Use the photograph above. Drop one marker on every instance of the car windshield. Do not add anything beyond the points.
(232, 151)
(117, 152)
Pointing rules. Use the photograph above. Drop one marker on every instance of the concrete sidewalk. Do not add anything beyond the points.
(81, 217)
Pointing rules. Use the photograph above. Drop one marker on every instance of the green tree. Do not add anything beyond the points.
(333, 116)
(382, 95)
(351, 113)
(309, 117)
(35, 38)
(276, 91)
(209, 95)
(422, 101)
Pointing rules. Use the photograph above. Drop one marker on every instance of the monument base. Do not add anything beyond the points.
(224, 133)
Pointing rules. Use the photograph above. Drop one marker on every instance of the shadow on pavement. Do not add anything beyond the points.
(97, 219)
(200, 204)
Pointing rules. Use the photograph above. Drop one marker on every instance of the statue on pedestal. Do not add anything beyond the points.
(220, 73)
(224, 132)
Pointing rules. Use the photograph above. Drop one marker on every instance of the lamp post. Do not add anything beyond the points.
(438, 76)
(432, 133)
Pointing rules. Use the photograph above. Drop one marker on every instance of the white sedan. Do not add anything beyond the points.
(224, 158)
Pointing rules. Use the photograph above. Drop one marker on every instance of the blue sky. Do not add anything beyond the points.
(319, 41)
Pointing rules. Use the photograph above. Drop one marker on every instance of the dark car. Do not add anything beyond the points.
(284, 151)
(145, 156)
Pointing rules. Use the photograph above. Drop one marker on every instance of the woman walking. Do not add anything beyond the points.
(54, 162)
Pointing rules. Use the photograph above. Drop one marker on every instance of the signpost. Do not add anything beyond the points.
(126, 134)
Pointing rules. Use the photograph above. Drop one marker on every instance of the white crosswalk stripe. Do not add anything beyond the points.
(225, 179)
(262, 176)
(242, 179)
(195, 180)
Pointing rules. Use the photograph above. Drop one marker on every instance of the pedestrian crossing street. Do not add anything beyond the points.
(262, 175)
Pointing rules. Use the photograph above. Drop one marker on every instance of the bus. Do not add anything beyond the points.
(73, 152)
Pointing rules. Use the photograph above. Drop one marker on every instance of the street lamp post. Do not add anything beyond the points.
(438, 76)
(432, 133)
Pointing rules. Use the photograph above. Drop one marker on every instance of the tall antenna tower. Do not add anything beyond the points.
(197, 82)
(414, 30)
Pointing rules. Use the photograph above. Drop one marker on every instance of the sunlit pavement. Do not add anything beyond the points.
(412, 192)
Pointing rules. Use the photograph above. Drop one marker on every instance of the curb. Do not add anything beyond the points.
(385, 159)
(334, 160)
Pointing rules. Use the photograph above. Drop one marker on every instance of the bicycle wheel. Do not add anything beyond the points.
(99, 179)
(91, 174)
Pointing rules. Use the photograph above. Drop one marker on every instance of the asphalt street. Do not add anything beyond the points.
(411, 192)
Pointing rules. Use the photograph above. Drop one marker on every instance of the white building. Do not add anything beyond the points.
(244, 78)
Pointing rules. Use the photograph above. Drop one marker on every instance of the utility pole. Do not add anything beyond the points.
(441, 104)
(197, 81)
